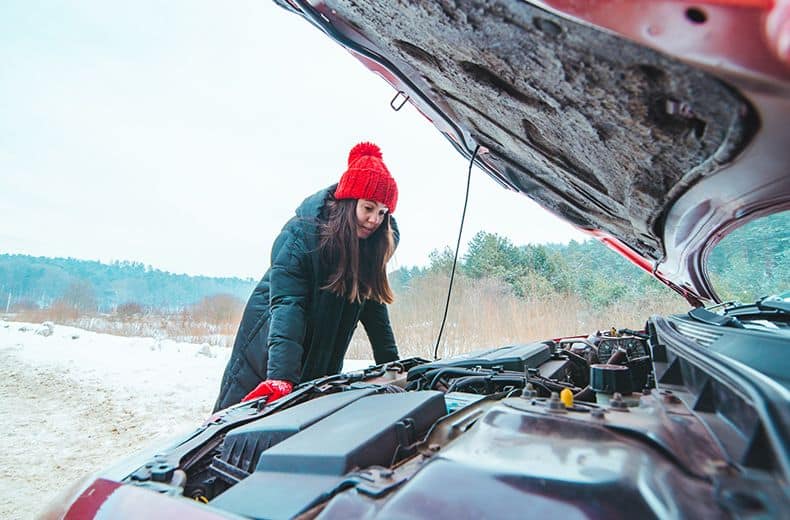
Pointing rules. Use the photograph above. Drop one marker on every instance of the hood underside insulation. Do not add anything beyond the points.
(596, 128)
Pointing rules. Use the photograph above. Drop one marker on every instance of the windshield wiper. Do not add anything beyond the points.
(703, 315)
(770, 304)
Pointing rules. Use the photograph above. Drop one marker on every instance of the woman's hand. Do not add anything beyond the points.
(273, 389)
(777, 28)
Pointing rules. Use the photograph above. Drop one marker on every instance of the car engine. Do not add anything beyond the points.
(585, 426)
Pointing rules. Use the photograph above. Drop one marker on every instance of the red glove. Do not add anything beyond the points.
(777, 28)
(271, 388)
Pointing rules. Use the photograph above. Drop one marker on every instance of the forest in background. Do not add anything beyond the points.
(751, 261)
(505, 294)
(585, 269)
(30, 282)
(502, 293)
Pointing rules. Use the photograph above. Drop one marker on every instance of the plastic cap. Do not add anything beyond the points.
(566, 396)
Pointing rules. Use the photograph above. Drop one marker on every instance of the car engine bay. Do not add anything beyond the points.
(585, 426)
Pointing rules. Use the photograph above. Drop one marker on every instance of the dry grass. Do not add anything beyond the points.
(485, 313)
(177, 327)
(482, 314)
(213, 320)
(58, 312)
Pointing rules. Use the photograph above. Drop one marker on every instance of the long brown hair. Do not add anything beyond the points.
(357, 268)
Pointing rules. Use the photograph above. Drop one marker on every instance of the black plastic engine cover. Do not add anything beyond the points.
(243, 446)
(368, 432)
(511, 357)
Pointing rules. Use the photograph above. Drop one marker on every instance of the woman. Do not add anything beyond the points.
(328, 272)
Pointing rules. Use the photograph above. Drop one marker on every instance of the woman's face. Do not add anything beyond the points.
(370, 215)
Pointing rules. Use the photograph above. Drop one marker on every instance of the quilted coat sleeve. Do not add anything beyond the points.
(288, 300)
(376, 320)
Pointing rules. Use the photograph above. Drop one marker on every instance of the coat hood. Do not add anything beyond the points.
(311, 206)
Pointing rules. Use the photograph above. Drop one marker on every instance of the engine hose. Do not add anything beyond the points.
(469, 380)
(449, 370)
(414, 385)
(554, 386)
(617, 357)
(547, 384)
(461, 382)
(576, 358)
(392, 389)
(580, 366)
(585, 394)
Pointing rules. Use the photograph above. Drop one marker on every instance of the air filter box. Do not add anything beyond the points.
(243, 446)
(511, 357)
(371, 431)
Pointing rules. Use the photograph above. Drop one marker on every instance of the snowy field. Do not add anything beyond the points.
(73, 401)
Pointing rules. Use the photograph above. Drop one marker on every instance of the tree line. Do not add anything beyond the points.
(587, 269)
(750, 262)
(534, 272)
(29, 282)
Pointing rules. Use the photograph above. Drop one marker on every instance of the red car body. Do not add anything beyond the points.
(706, 434)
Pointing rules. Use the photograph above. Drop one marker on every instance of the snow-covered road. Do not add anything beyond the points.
(75, 401)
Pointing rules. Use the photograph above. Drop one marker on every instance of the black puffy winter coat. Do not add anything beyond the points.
(293, 330)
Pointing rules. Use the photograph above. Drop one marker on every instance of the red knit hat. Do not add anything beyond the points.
(367, 177)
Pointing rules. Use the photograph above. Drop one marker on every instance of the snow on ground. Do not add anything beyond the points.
(74, 401)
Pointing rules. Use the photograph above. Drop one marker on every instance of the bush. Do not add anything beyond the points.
(129, 310)
(218, 308)
(24, 305)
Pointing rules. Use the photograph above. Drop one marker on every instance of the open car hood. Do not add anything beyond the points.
(656, 126)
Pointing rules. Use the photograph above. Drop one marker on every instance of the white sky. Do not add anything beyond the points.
(184, 134)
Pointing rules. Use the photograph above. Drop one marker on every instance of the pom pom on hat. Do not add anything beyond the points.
(367, 177)
(364, 150)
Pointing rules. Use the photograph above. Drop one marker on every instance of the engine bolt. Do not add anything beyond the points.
(618, 402)
(555, 405)
(597, 413)
(529, 392)
(162, 473)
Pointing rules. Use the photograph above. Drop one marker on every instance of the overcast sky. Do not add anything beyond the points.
(184, 134)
